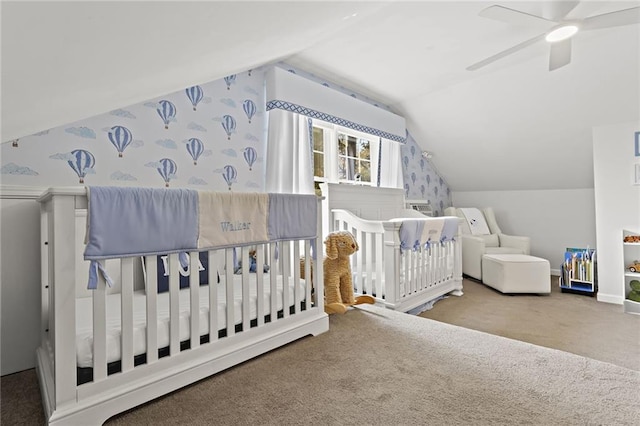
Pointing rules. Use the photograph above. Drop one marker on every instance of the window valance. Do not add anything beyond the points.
(290, 92)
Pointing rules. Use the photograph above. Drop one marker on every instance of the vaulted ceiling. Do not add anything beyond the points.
(511, 125)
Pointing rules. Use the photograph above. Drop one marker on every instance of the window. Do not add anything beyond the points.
(341, 155)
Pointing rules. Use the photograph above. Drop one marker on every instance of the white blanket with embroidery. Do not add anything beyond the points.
(476, 221)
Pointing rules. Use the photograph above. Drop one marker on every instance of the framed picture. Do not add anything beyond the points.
(637, 144)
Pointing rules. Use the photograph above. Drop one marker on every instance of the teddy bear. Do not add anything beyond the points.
(338, 281)
(253, 261)
(634, 294)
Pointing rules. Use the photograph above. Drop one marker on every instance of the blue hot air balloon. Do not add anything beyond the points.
(249, 108)
(229, 174)
(413, 177)
(229, 79)
(422, 189)
(167, 170)
(194, 93)
(250, 156)
(166, 111)
(441, 181)
(229, 125)
(405, 160)
(422, 164)
(120, 137)
(195, 148)
(428, 180)
(81, 162)
(435, 190)
(406, 189)
(413, 151)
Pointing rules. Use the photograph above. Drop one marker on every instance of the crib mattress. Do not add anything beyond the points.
(84, 327)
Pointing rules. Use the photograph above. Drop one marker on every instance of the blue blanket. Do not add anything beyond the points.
(418, 233)
(126, 222)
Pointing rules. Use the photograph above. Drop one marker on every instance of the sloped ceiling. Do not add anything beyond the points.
(511, 125)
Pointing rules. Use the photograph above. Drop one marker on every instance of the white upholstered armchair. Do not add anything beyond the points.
(480, 235)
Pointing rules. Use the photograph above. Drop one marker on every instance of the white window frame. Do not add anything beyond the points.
(331, 153)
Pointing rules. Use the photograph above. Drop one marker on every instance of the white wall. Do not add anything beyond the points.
(19, 283)
(617, 203)
(554, 219)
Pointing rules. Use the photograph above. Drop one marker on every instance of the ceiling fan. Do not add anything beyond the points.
(561, 25)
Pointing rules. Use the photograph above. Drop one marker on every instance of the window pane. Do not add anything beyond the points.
(318, 164)
(364, 151)
(342, 144)
(365, 171)
(342, 168)
(352, 147)
(318, 139)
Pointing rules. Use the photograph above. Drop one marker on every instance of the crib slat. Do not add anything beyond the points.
(273, 276)
(296, 276)
(307, 273)
(231, 329)
(359, 285)
(213, 297)
(286, 272)
(378, 289)
(126, 307)
(194, 292)
(100, 330)
(151, 265)
(174, 304)
(367, 288)
(246, 265)
(260, 284)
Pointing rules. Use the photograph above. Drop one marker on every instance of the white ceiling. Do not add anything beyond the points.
(509, 126)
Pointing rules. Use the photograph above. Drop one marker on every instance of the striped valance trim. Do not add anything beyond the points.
(288, 106)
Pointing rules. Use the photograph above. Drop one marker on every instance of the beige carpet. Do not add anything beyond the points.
(570, 322)
(380, 367)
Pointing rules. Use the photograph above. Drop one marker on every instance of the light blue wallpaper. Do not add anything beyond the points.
(210, 136)
(421, 181)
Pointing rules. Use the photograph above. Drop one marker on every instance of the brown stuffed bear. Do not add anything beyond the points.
(338, 281)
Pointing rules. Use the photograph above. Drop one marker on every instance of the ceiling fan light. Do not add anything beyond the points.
(561, 33)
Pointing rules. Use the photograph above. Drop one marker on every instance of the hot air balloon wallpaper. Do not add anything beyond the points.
(166, 111)
(195, 148)
(81, 162)
(229, 125)
(120, 137)
(413, 178)
(405, 160)
(249, 108)
(167, 170)
(230, 79)
(422, 164)
(229, 174)
(413, 151)
(422, 189)
(195, 95)
(250, 156)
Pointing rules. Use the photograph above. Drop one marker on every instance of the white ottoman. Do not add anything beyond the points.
(516, 273)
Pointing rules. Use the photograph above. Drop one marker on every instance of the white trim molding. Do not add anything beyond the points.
(21, 192)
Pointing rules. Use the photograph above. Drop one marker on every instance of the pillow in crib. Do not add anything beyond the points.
(163, 272)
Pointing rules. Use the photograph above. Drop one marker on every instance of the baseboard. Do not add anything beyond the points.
(610, 298)
(555, 272)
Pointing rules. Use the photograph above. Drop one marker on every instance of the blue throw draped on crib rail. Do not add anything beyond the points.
(418, 233)
(126, 222)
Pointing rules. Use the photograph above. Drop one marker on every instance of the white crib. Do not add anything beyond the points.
(107, 350)
(403, 280)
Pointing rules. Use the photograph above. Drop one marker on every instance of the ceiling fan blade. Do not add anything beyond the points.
(613, 19)
(512, 16)
(560, 54)
(504, 53)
